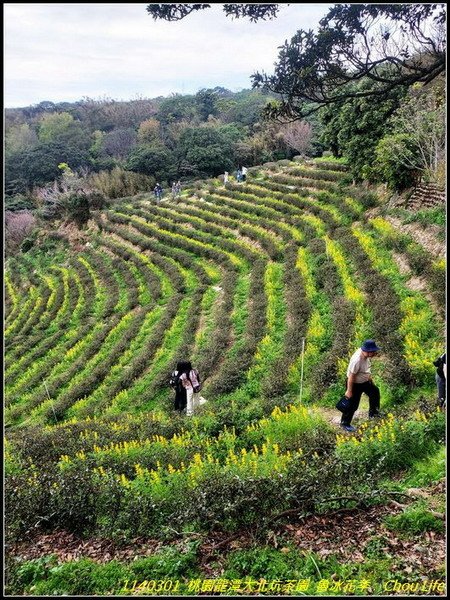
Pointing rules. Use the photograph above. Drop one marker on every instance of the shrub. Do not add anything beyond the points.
(26, 500)
(32, 571)
(415, 519)
(18, 203)
(392, 445)
(172, 563)
(231, 502)
(83, 577)
(264, 563)
(418, 258)
(119, 183)
(76, 208)
(428, 216)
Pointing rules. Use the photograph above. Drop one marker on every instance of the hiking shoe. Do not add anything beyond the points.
(376, 415)
(348, 427)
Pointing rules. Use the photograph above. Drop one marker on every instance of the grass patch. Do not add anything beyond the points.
(45, 577)
(429, 470)
(428, 216)
(414, 520)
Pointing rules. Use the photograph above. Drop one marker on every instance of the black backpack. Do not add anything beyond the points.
(175, 381)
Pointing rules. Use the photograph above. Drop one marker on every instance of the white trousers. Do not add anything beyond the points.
(193, 401)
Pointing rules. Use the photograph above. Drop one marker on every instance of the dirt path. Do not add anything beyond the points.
(333, 416)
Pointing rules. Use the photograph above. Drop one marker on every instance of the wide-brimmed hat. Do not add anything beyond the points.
(370, 346)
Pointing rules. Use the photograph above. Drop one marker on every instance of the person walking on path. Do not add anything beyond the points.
(359, 381)
(225, 178)
(174, 190)
(158, 191)
(190, 379)
(238, 175)
(244, 173)
(441, 378)
(178, 188)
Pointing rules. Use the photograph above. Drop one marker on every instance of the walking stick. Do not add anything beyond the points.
(51, 401)
(301, 372)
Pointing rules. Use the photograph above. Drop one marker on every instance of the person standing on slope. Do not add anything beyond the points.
(190, 379)
(158, 191)
(441, 378)
(176, 384)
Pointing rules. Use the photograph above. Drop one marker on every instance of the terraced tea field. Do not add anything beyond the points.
(238, 279)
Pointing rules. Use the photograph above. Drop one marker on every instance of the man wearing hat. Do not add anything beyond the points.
(359, 381)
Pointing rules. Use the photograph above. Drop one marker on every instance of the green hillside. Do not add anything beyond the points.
(239, 279)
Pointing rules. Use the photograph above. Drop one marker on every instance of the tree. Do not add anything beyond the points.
(244, 107)
(422, 118)
(149, 132)
(208, 149)
(395, 156)
(118, 143)
(62, 128)
(18, 138)
(156, 161)
(391, 44)
(54, 126)
(206, 101)
(176, 108)
(175, 12)
(39, 165)
(298, 135)
(69, 197)
(106, 114)
(414, 145)
(266, 144)
(352, 127)
(17, 227)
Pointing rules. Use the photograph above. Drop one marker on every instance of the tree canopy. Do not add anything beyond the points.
(176, 12)
(390, 44)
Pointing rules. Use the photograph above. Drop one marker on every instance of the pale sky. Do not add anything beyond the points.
(64, 52)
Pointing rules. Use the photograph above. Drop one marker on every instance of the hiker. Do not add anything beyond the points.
(190, 379)
(238, 175)
(359, 381)
(178, 187)
(180, 391)
(174, 190)
(441, 378)
(158, 191)
(225, 178)
(244, 173)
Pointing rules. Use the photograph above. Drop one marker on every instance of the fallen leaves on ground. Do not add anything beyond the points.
(345, 534)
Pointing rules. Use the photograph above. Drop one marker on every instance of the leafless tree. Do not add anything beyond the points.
(18, 225)
(298, 135)
(119, 142)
